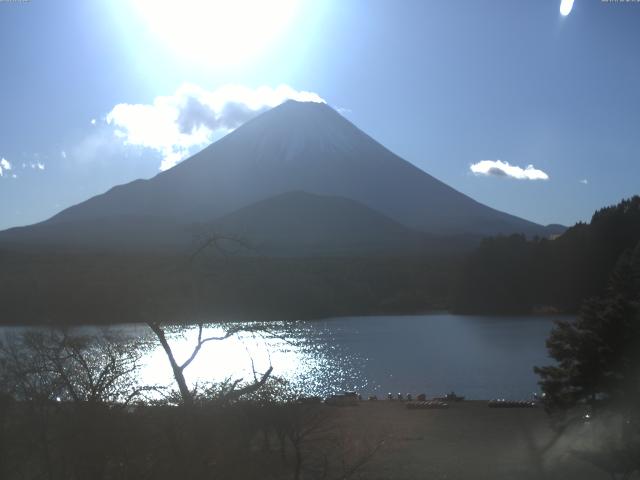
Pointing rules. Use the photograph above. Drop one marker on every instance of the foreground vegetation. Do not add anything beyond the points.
(596, 377)
(72, 408)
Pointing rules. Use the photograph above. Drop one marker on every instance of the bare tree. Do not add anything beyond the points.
(221, 245)
(55, 365)
(64, 387)
(186, 394)
(321, 447)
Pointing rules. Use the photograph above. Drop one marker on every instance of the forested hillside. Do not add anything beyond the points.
(510, 274)
(72, 288)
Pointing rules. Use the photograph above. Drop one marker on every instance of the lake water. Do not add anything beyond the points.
(480, 357)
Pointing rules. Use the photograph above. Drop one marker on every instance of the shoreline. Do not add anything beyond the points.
(309, 320)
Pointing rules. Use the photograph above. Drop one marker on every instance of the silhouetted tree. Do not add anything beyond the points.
(220, 246)
(597, 354)
(57, 366)
(67, 394)
(598, 366)
(186, 394)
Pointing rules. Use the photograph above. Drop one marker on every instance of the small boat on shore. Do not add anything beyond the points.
(345, 399)
(450, 397)
(502, 403)
(427, 405)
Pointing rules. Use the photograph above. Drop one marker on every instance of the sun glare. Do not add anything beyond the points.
(565, 7)
(216, 32)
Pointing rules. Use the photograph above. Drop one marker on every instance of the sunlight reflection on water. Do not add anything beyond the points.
(481, 357)
(307, 357)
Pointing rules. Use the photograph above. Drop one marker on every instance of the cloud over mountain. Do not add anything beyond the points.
(498, 168)
(177, 124)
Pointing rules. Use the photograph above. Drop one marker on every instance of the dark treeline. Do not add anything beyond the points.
(58, 288)
(507, 274)
(516, 275)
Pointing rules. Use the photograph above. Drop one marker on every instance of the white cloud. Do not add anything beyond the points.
(93, 121)
(584, 181)
(63, 154)
(4, 166)
(38, 165)
(499, 168)
(174, 125)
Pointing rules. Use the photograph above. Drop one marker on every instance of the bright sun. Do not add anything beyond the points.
(216, 32)
(565, 7)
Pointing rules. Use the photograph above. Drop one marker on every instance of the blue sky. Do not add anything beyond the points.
(444, 84)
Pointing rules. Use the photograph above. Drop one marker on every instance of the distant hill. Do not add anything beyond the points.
(295, 147)
(301, 223)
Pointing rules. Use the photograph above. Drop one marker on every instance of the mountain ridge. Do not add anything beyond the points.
(296, 146)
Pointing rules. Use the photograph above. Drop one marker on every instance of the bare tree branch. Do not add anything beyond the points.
(215, 240)
(235, 394)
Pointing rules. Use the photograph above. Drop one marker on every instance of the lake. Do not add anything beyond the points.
(481, 357)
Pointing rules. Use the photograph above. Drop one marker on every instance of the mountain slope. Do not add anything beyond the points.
(290, 224)
(300, 146)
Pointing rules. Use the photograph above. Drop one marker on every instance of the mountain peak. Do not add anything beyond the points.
(293, 127)
(301, 110)
(294, 102)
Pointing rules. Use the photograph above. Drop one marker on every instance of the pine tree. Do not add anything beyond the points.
(598, 367)
(597, 355)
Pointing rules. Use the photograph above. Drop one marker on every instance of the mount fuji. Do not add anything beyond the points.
(297, 161)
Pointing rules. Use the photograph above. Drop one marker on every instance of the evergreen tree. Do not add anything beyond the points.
(598, 372)
(598, 356)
